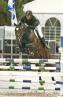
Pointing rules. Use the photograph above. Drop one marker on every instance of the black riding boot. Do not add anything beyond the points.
(42, 40)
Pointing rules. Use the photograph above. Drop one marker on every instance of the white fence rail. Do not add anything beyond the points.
(29, 81)
(31, 64)
(51, 61)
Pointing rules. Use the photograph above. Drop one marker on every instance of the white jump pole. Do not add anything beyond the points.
(32, 63)
(32, 68)
(41, 61)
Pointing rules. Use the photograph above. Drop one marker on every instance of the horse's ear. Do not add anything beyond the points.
(15, 24)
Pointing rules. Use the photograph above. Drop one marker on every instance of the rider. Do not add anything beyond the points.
(31, 22)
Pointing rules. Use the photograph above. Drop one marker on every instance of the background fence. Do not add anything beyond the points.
(29, 81)
(13, 81)
(9, 47)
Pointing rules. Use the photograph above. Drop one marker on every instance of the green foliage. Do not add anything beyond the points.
(2, 6)
(40, 88)
(41, 82)
(4, 20)
(11, 87)
(12, 80)
(19, 7)
(5, 15)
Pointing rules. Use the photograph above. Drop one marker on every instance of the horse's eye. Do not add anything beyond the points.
(17, 29)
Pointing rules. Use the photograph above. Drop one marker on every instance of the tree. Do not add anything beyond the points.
(19, 7)
(5, 15)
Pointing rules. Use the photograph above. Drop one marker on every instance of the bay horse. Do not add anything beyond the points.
(32, 45)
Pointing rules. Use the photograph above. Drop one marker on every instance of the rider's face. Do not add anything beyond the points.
(29, 17)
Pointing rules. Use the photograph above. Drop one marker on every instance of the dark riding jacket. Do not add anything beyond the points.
(31, 23)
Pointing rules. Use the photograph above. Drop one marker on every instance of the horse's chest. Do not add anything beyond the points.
(26, 37)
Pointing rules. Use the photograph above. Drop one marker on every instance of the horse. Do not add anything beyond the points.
(30, 44)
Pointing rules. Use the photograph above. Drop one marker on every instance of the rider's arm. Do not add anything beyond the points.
(23, 20)
(31, 26)
(36, 23)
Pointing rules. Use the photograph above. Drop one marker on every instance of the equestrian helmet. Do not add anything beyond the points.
(28, 13)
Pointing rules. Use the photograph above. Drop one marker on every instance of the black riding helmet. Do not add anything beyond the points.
(28, 13)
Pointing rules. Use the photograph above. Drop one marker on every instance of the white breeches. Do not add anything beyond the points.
(39, 29)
